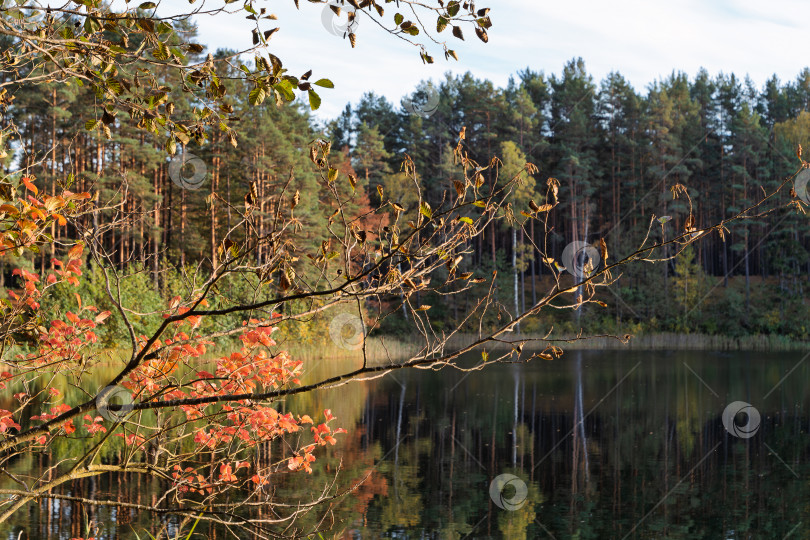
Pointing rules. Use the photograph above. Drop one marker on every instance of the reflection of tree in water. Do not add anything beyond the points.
(514, 524)
(604, 471)
(645, 440)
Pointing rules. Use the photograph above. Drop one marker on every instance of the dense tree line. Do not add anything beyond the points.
(615, 151)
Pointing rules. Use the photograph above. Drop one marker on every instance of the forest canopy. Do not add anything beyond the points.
(615, 150)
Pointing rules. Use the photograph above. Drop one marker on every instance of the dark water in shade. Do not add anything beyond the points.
(608, 444)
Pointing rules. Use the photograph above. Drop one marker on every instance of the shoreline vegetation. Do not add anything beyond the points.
(393, 348)
(399, 348)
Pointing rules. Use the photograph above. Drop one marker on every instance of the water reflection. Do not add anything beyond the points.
(608, 445)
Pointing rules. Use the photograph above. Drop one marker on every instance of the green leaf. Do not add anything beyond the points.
(191, 532)
(452, 8)
(147, 5)
(333, 174)
(182, 137)
(178, 54)
(256, 96)
(441, 24)
(114, 86)
(276, 62)
(90, 125)
(164, 28)
(145, 24)
(480, 204)
(398, 18)
(161, 52)
(91, 25)
(171, 146)
(285, 87)
(425, 210)
(314, 100)
(325, 83)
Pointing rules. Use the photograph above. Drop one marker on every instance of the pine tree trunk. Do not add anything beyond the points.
(747, 278)
(534, 266)
(515, 275)
(156, 177)
(214, 184)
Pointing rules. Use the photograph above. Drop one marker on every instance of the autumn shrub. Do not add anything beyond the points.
(134, 289)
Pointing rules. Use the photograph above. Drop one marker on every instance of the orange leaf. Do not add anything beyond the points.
(30, 186)
(76, 251)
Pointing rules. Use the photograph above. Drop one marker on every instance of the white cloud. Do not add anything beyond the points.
(643, 40)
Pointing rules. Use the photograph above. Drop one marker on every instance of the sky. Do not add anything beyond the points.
(643, 40)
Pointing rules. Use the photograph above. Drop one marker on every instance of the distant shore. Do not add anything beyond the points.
(397, 347)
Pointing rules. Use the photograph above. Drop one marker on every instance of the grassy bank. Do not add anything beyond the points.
(667, 341)
(380, 349)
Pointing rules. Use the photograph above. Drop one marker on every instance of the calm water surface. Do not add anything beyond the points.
(599, 444)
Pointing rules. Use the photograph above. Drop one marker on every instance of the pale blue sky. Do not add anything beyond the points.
(644, 40)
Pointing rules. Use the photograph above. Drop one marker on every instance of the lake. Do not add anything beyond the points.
(596, 444)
